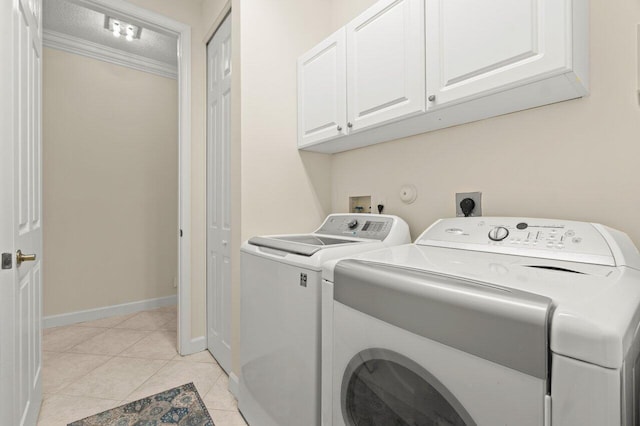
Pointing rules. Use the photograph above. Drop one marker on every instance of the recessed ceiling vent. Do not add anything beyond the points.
(121, 28)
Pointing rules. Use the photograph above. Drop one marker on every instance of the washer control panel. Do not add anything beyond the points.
(544, 238)
(370, 226)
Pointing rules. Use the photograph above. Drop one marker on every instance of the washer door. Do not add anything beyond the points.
(381, 388)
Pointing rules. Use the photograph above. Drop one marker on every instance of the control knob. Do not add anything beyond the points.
(498, 233)
(352, 224)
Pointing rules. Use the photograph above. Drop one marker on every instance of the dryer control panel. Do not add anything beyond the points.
(543, 238)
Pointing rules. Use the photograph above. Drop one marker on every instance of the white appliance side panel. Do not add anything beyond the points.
(327, 353)
(583, 394)
(280, 348)
(491, 394)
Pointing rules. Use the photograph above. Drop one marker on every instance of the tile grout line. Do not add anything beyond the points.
(163, 328)
(148, 378)
(59, 392)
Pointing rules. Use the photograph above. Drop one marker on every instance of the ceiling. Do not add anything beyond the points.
(74, 19)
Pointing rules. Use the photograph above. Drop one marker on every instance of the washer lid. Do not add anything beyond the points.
(305, 245)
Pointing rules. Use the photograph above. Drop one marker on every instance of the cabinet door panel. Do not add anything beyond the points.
(322, 91)
(480, 46)
(385, 63)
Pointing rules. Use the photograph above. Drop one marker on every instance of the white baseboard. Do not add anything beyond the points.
(234, 384)
(107, 311)
(197, 344)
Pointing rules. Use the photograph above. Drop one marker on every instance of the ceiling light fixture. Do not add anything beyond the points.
(129, 33)
(118, 27)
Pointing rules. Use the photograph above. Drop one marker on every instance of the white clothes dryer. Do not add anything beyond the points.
(485, 321)
(281, 277)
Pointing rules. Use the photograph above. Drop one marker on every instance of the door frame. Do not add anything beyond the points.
(165, 25)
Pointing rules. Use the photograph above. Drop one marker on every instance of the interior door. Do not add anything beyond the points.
(20, 213)
(219, 195)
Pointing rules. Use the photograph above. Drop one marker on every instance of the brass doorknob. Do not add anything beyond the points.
(24, 257)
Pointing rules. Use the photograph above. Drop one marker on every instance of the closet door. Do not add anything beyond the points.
(478, 47)
(322, 95)
(219, 195)
(385, 63)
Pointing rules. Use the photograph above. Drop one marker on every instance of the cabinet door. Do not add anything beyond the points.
(385, 63)
(475, 47)
(322, 95)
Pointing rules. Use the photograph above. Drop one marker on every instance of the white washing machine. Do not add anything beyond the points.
(485, 321)
(280, 313)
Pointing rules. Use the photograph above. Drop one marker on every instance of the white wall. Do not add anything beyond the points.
(573, 160)
(110, 175)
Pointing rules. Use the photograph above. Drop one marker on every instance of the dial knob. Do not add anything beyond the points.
(498, 233)
(352, 223)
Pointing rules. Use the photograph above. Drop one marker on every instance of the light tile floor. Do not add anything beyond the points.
(97, 365)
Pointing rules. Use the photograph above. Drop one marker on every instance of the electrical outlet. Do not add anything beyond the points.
(477, 199)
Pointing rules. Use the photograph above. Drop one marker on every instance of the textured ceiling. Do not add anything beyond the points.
(65, 17)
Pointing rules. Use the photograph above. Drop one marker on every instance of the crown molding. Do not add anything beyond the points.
(71, 44)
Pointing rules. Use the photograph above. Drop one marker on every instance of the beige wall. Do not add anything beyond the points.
(573, 160)
(282, 190)
(276, 189)
(189, 12)
(110, 176)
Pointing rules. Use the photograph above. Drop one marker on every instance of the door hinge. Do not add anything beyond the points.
(181, 232)
(7, 261)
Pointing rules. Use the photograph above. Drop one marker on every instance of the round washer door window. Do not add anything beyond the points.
(384, 388)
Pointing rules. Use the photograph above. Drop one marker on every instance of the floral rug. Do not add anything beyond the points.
(180, 406)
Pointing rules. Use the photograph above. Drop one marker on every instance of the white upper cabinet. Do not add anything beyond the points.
(385, 63)
(476, 47)
(405, 67)
(322, 98)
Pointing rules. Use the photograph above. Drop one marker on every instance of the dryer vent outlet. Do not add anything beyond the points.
(471, 202)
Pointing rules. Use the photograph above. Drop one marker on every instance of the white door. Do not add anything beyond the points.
(477, 47)
(20, 212)
(219, 195)
(322, 91)
(385, 63)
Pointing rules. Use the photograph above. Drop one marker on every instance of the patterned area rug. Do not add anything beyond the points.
(180, 406)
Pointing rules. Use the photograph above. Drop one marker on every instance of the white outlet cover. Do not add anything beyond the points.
(408, 194)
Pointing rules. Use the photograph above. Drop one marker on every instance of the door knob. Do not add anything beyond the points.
(339, 128)
(224, 242)
(24, 257)
(432, 98)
